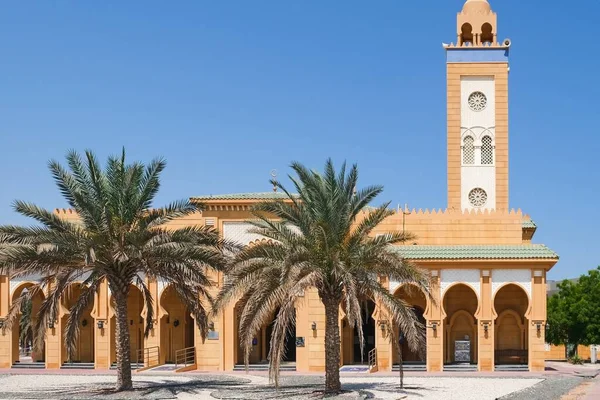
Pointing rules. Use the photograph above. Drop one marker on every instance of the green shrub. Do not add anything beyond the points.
(576, 360)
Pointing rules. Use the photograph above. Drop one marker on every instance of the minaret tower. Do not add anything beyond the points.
(477, 75)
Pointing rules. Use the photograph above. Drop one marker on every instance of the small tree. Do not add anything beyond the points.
(573, 312)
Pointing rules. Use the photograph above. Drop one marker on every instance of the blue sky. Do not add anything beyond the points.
(228, 90)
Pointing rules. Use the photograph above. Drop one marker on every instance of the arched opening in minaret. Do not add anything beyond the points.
(487, 36)
(466, 35)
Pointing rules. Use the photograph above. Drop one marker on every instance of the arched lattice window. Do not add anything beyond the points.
(468, 150)
(487, 151)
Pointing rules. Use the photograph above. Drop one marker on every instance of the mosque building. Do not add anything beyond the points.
(488, 277)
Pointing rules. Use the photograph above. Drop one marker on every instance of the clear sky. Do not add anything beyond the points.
(228, 90)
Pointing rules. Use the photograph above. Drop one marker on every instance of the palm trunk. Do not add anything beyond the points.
(122, 340)
(332, 347)
(400, 361)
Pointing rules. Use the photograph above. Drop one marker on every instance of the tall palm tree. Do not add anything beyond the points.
(320, 239)
(120, 239)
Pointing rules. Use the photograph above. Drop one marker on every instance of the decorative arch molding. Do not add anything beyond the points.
(514, 314)
(20, 282)
(457, 315)
(519, 277)
(469, 277)
(478, 133)
(415, 287)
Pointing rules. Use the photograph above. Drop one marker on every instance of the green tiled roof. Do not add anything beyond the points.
(528, 223)
(477, 252)
(244, 196)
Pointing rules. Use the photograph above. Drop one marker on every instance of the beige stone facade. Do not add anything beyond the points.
(488, 279)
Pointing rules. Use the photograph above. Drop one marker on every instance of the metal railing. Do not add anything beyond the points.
(185, 357)
(149, 356)
(372, 358)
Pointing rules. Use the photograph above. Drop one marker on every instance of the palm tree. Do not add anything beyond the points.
(118, 239)
(319, 239)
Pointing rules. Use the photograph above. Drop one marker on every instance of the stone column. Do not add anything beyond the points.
(485, 324)
(537, 351)
(434, 318)
(5, 334)
(101, 335)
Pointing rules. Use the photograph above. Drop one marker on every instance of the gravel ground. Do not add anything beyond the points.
(552, 388)
(79, 387)
(293, 387)
(385, 388)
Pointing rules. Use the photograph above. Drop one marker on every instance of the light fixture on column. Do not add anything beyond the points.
(314, 326)
(486, 327)
(100, 324)
(383, 325)
(433, 326)
(211, 326)
(51, 324)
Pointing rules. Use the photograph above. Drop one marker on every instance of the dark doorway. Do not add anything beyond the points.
(368, 329)
(407, 354)
(290, 341)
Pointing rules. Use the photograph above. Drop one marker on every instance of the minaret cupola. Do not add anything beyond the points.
(477, 24)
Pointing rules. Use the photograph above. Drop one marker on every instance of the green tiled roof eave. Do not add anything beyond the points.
(529, 224)
(477, 252)
(244, 196)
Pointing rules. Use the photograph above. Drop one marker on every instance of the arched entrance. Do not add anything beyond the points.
(22, 333)
(460, 338)
(511, 305)
(84, 346)
(177, 330)
(416, 298)
(135, 306)
(261, 344)
(351, 354)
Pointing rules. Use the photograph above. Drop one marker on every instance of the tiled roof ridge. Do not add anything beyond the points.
(440, 252)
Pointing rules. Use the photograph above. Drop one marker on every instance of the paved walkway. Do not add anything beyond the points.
(593, 391)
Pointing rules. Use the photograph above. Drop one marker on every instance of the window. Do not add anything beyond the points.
(468, 150)
(478, 197)
(487, 151)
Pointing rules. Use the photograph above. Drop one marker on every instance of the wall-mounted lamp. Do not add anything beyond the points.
(383, 325)
(100, 324)
(486, 327)
(51, 324)
(433, 326)
(314, 326)
(211, 326)
(538, 326)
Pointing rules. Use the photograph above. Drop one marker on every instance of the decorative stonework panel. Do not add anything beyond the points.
(470, 277)
(238, 232)
(394, 285)
(522, 277)
(15, 282)
(162, 284)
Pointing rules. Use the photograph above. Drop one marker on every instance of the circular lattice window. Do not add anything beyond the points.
(477, 101)
(478, 197)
